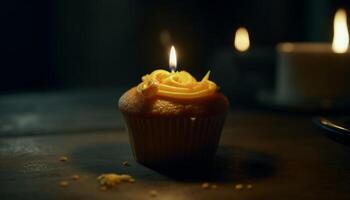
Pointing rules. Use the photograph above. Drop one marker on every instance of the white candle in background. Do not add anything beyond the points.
(315, 73)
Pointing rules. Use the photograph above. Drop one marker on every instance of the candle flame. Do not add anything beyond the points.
(341, 33)
(242, 42)
(172, 59)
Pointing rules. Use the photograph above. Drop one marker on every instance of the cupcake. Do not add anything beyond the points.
(172, 118)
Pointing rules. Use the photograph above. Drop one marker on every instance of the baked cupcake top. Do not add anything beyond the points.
(173, 93)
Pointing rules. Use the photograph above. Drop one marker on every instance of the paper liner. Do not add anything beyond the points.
(174, 140)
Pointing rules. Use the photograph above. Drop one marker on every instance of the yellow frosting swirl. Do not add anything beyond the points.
(181, 85)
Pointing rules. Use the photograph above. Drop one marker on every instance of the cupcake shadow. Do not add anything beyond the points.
(230, 164)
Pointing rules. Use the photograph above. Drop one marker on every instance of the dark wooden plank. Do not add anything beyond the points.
(284, 157)
(59, 112)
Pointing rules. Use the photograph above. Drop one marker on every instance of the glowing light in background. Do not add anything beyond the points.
(341, 33)
(241, 41)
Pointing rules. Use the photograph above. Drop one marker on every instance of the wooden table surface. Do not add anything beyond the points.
(282, 155)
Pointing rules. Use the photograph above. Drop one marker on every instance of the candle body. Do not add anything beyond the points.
(312, 73)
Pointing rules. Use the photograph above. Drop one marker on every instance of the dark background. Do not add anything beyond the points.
(91, 43)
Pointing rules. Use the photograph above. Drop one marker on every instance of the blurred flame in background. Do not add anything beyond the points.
(341, 33)
(241, 41)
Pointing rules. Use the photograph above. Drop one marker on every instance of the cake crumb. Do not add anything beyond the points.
(63, 158)
(112, 179)
(214, 186)
(239, 187)
(249, 186)
(75, 177)
(64, 183)
(205, 185)
(126, 163)
(192, 118)
(153, 193)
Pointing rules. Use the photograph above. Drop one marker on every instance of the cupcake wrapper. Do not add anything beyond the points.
(171, 140)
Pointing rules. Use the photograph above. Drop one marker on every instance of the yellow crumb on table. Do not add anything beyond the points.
(239, 187)
(153, 193)
(205, 185)
(64, 183)
(75, 177)
(249, 186)
(112, 179)
(63, 158)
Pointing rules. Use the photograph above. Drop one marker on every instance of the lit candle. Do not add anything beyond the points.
(172, 59)
(315, 74)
